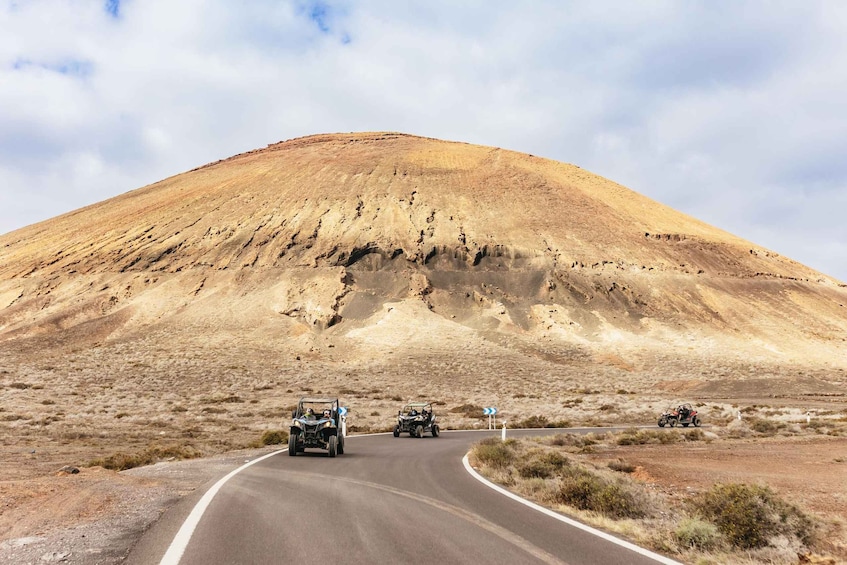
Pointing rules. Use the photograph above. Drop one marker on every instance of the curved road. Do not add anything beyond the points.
(386, 500)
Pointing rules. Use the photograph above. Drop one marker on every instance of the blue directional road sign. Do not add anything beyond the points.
(342, 410)
(490, 411)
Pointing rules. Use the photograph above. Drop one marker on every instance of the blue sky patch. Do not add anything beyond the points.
(319, 13)
(69, 67)
(113, 8)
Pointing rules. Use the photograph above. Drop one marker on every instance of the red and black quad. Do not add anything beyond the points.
(683, 415)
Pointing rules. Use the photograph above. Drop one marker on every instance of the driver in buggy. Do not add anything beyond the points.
(682, 411)
(310, 414)
(327, 415)
(413, 412)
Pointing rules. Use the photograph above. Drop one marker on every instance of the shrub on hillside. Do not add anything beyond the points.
(274, 437)
(121, 461)
(542, 465)
(642, 437)
(694, 533)
(586, 490)
(750, 516)
(495, 453)
(764, 427)
(468, 410)
(621, 466)
(537, 421)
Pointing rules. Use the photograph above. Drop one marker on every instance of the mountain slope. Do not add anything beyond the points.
(324, 231)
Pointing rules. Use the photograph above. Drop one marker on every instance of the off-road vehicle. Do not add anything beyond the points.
(315, 425)
(683, 415)
(416, 418)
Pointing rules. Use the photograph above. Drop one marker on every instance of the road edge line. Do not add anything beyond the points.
(183, 536)
(579, 525)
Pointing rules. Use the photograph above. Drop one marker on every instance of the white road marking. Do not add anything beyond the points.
(183, 536)
(610, 538)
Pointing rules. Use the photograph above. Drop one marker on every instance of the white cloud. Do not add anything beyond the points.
(734, 113)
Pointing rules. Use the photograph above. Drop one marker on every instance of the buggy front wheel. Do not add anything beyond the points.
(333, 446)
(696, 422)
(435, 431)
(292, 445)
(418, 431)
(396, 431)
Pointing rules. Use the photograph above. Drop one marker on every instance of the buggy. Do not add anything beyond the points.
(315, 425)
(416, 418)
(683, 415)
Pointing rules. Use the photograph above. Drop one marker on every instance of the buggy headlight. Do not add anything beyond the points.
(328, 424)
(297, 424)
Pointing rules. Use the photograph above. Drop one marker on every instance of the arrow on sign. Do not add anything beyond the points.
(490, 411)
(342, 410)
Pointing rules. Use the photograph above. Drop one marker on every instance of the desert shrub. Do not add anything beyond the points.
(19, 386)
(274, 437)
(585, 490)
(555, 459)
(535, 421)
(694, 533)
(748, 516)
(214, 410)
(621, 466)
(642, 437)
(573, 440)
(495, 453)
(468, 410)
(122, 461)
(542, 464)
(536, 469)
(693, 435)
(737, 429)
(179, 408)
(762, 426)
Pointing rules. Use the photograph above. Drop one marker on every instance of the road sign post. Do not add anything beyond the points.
(342, 413)
(491, 412)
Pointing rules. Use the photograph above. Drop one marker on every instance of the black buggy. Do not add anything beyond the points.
(416, 418)
(315, 425)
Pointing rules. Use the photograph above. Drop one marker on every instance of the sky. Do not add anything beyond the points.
(732, 112)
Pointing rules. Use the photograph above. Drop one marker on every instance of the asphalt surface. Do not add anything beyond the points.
(386, 500)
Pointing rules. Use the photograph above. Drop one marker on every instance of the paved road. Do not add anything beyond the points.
(386, 500)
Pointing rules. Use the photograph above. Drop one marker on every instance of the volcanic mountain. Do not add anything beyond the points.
(364, 253)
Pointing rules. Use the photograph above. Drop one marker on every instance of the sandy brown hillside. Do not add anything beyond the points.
(328, 228)
(385, 266)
